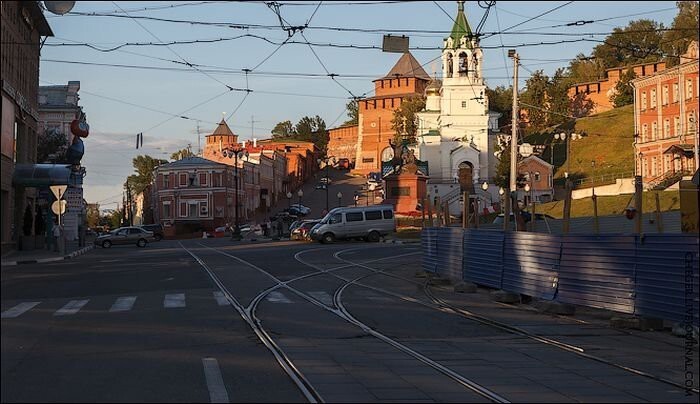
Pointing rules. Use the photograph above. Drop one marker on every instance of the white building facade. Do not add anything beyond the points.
(457, 133)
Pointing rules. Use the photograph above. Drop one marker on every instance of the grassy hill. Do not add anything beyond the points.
(609, 138)
(611, 205)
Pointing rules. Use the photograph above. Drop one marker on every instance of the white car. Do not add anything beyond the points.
(305, 210)
(373, 184)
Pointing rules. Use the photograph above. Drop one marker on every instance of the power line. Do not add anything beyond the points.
(535, 17)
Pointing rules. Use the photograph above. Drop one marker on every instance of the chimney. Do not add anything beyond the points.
(255, 142)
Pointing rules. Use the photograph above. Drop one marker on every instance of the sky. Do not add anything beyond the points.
(155, 85)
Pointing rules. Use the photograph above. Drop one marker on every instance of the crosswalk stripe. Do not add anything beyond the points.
(215, 383)
(71, 308)
(19, 309)
(174, 300)
(123, 304)
(221, 299)
(322, 297)
(277, 297)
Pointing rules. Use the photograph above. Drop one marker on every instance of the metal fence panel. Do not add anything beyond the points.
(531, 264)
(450, 252)
(598, 271)
(428, 240)
(483, 257)
(667, 277)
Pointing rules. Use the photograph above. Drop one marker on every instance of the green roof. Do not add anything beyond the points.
(461, 27)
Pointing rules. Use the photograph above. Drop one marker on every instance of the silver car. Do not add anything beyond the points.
(125, 235)
(367, 222)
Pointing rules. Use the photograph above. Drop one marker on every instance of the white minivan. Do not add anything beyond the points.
(367, 222)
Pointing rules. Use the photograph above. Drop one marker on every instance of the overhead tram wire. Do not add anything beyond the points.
(535, 17)
(503, 49)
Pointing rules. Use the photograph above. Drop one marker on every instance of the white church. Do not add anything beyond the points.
(457, 132)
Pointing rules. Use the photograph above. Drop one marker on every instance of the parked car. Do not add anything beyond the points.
(302, 230)
(344, 164)
(325, 180)
(373, 184)
(157, 230)
(125, 235)
(367, 222)
(301, 208)
(321, 185)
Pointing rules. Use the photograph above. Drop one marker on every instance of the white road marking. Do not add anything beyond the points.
(215, 383)
(221, 299)
(19, 309)
(174, 301)
(322, 297)
(123, 304)
(71, 308)
(277, 297)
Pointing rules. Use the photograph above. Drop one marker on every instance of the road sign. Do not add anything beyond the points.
(58, 190)
(59, 207)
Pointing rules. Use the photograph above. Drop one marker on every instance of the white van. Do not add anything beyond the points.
(368, 222)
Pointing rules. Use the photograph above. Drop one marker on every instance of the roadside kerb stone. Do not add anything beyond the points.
(465, 287)
(502, 296)
(52, 259)
(637, 323)
(552, 307)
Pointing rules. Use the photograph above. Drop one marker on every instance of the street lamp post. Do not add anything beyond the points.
(340, 198)
(300, 194)
(289, 200)
(326, 160)
(356, 198)
(236, 152)
(563, 137)
(528, 190)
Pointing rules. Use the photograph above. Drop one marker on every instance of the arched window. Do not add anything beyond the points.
(463, 64)
(450, 65)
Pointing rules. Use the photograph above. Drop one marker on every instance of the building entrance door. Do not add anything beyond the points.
(465, 175)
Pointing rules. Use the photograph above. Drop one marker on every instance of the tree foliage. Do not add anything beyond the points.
(534, 100)
(639, 42)
(50, 142)
(283, 130)
(144, 166)
(182, 154)
(405, 121)
(352, 108)
(684, 30)
(624, 94)
(309, 129)
(501, 100)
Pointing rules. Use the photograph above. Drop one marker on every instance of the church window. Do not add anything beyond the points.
(463, 64)
(450, 65)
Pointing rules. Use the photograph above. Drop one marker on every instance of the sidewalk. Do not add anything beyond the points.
(40, 256)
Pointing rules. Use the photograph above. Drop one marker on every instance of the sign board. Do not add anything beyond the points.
(395, 44)
(59, 207)
(58, 190)
(526, 150)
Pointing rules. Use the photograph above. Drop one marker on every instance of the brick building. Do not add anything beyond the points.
(539, 174)
(666, 113)
(58, 107)
(342, 142)
(600, 91)
(407, 78)
(23, 25)
(301, 159)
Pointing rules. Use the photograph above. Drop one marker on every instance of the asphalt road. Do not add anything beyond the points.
(188, 322)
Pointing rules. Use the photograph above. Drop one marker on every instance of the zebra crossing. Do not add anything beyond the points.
(127, 303)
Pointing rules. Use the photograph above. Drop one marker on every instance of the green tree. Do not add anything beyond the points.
(535, 100)
(501, 100)
(624, 95)
(50, 142)
(93, 215)
(558, 98)
(639, 42)
(405, 120)
(353, 113)
(144, 166)
(312, 130)
(283, 130)
(684, 29)
(182, 154)
(585, 69)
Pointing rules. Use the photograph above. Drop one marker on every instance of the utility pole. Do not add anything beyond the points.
(199, 142)
(512, 191)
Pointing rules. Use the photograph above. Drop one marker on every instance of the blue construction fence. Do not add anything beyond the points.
(651, 275)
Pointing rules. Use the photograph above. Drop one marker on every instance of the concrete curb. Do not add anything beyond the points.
(44, 260)
(401, 241)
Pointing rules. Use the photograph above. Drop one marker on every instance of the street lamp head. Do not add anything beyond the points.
(300, 193)
(501, 191)
(289, 195)
(527, 187)
(485, 186)
(340, 195)
(592, 163)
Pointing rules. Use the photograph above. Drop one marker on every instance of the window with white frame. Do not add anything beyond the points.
(537, 175)
(183, 209)
(203, 208)
(677, 125)
(644, 100)
(654, 131)
(675, 92)
(689, 89)
(167, 214)
(202, 179)
(691, 122)
(166, 181)
(183, 180)
(645, 133)
(667, 128)
(193, 208)
(664, 95)
(653, 98)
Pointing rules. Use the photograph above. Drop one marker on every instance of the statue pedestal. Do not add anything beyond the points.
(405, 191)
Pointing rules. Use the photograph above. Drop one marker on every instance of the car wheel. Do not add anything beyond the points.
(328, 238)
(106, 244)
(158, 237)
(141, 243)
(373, 237)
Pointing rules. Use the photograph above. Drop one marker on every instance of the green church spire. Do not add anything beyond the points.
(461, 27)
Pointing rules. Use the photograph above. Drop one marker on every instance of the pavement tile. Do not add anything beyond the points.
(399, 394)
(446, 397)
(323, 370)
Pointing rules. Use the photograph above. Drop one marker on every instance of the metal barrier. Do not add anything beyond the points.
(483, 257)
(667, 277)
(653, 275)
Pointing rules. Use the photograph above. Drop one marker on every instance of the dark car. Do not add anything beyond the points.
(156, 229)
